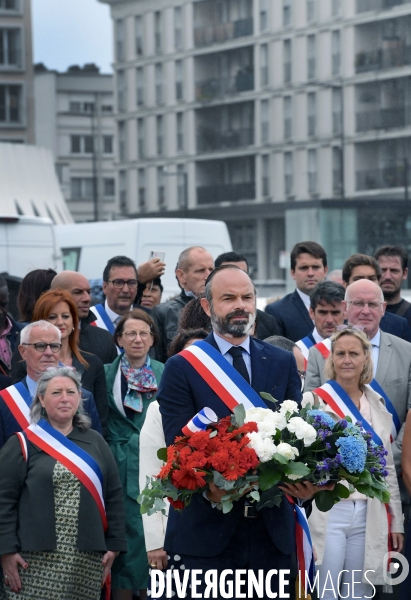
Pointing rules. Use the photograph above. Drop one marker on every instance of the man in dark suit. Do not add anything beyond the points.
(308, 267)
(244, 538)
(362, 266)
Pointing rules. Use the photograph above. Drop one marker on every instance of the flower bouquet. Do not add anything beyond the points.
(254, 450)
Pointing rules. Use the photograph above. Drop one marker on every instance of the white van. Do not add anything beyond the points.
(86, 247)
(27, 243)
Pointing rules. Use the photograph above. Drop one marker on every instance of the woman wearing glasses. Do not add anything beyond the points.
(352, 539)
(132, 382)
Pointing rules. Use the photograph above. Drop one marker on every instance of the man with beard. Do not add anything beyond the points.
(393, 261)
(201, 534)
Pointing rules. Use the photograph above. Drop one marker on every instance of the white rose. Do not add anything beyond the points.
(289, 406)
(287, 451)
(310, 435)
(264, 446)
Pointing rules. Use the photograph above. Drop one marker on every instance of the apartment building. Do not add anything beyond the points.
(75, 120)
(16, 72)
(288, 119)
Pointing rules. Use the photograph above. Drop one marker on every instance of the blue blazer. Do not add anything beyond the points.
(396, 325)
(200, 529)
(292, 316)
(9, 425)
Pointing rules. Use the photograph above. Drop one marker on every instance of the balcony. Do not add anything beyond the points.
(385, 118)
(396, 56)
(367, 5)
(375, 179)
(210, 139)
(210, 89)
(229, 192)
(217, 33)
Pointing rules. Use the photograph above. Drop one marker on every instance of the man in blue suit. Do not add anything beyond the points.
(308, 267)
(244, 538)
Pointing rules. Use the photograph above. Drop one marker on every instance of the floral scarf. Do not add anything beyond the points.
(139, 381)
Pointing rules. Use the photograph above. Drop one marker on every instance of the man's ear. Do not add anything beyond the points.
(22, 350)
(205, 306)
(181, 277)
(311, 313)
(344, 307)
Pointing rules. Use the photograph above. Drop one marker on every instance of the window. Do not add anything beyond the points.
(82, 144)
(311, 11)
(178, 28)
(264, 64)
(140, 86)
(336, 8)
(265, 128)
(108, 144)
(311, 57)
(120, 31)
(337, 111)
(181, 187)
(159, 83)
(9, 4)
(141, 174)
(263, 15)
(287, 60)
(286, 13)
(123, 190)
(288, 117)
(11, 104)
(88, 144)
(161, 194)
(179, 79)
(82, 188)
(122, 140)
(160, 135)
(106, 108)
(76, 188)
(157, 32)
(312, 171)
(311, 113)
(180, 132)
(139, 39)
(336, 52)
(265, 175)
(288, 174)
(141, 138)
(75, 143)
(337, 171)
(75, 107)
(109, 188)
(88, 107)
(121, 91)
(10, 48)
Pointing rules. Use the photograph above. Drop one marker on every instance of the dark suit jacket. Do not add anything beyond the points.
(292, 317)
(200, 529)
(266, 325)
(396, 325)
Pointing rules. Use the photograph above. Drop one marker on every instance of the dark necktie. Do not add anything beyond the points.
(238, 362)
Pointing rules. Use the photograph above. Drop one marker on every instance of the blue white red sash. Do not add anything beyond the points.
(340, 402)
(77, 460)
(389, 406)
(18, 401)
(102, 319)
(304, 345)
(222, 378)
(324, 347)
(205, 417)
(304, 546)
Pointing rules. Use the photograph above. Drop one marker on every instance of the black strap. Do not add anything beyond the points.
(238, 362)
(404, 306)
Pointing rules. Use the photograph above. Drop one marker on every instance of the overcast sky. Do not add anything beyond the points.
(69, 32)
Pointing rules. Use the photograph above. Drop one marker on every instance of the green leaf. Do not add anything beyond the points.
(342, 490)
(297, 468)
(162, 454)
(222, 483)
(268, 478)
(267, 396)
(324, 500)
(255, 495)
(239, 413)
(227, 505)
(213, 433)
(280, 459)
(270, 498)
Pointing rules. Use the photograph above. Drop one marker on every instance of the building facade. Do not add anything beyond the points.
(75, 120)
(16, 73)
(288, 119)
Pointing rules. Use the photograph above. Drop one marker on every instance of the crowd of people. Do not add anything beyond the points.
(89, 393)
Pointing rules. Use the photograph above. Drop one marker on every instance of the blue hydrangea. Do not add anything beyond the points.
(322, 418)
(353, 452)
(352, 429)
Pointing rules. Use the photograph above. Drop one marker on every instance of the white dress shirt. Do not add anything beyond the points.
(317, 336)
(305, 298)
(114, 317)
(375, 353)
(32, 386)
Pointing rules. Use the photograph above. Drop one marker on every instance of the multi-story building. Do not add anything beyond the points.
(289, 119)
(16, 72)
(75, 119)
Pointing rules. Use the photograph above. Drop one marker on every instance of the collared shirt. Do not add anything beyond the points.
(5, 349)
(317, 336)
(114, 317)
(375, 353)
(305, 298)
(189, 293)
(32, 386)
(225, 346)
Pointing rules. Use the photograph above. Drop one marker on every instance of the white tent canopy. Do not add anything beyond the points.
(29, 185)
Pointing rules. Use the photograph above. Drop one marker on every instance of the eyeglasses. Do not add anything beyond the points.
(361, 304)
(55, 347)
(344, 327)
(131, 335)
(118, 284)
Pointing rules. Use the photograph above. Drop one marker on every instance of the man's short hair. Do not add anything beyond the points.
(281, 342)
(209, 280)
(307, 248)
(3, 282)
(118, 261)
(43, 325)
(230, 257)
(327, 291)
(184, 260)
(393, 251)
(359, 260)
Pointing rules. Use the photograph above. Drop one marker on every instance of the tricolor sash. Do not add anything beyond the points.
(304, 345)
(74, 458)
(389, 406)
(324, 347)
(304, 546)
(222, 378)
(18, 401)
(205, 417)
(340, 402)
(102, 319)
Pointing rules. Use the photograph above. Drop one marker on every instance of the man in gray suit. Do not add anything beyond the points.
(364, 305)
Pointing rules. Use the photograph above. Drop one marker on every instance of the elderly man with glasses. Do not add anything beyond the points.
(40, 347)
